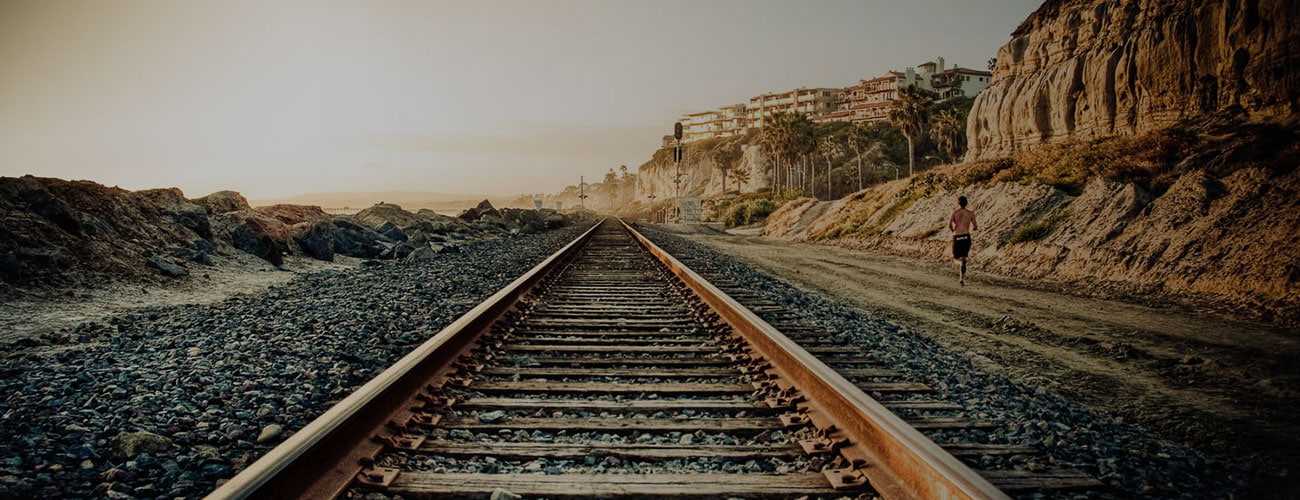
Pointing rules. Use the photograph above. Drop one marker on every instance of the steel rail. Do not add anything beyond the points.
(897, 460)
(321, 459)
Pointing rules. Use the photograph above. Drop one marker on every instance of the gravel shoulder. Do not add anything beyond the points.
(1225, 386)
(165, 402)
(236, 273)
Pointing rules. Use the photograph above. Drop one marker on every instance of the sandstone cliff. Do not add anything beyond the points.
(1095, 68)
(700, 174)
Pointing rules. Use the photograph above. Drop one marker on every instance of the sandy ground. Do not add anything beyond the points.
(1225, 386)
(236, 273)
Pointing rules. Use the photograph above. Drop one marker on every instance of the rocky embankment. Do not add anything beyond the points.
(163, 403)
(1095, 68)
(61, 232)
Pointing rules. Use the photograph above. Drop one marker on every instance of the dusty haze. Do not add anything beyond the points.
(284, 98)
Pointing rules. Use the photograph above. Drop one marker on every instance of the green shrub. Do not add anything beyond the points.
(748, 212)
(979, 171)
(1032, 232)
(1039, 229)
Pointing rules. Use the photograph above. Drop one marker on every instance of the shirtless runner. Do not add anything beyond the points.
(961, 224)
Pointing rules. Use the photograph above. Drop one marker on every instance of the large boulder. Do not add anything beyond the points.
(398, 251)
(257, 233)
(316, 239)
(222, 202)
(483, 208)
(556, 220)
(521, 216)
(391, 231)
(354, 239)
(166, 267)
(193, 217)
(436, 223)
(172, 203)
(378, 215)
(294, 214)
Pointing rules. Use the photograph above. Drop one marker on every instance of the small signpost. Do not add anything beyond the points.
(537, 204)
(688, 209)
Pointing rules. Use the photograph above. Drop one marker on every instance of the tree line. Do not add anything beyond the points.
(830, 160)
(616, 189)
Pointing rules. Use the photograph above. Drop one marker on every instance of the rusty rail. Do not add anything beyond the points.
(894, 457)
(321, 459)
(325, 457)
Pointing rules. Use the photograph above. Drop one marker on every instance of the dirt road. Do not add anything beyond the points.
(1225, 386)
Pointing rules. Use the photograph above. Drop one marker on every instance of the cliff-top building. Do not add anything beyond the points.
(871, 100)
(722, 122)
(811, 102)
(868, 101)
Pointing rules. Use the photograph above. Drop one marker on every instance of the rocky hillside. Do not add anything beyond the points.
(1095, 68)
(1210, 213)
(700, 173)
(54, 231)
(1135, 146)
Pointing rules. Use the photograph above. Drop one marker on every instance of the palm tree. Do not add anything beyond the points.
(800, 141)
(911, 113)
(829, 146)
(948, 132)
(610, 186)
(771, 142)
(788, 137)
(859, 140)
(724, 156)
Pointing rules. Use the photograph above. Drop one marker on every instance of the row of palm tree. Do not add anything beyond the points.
(792, 141)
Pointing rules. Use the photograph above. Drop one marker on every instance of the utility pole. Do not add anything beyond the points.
(677, 163)
(582, 193)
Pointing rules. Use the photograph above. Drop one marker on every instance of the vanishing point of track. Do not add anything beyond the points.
(612, 352)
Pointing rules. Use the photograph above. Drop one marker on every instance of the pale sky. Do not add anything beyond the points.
(277, 98)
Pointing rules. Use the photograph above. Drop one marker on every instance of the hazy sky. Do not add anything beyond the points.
(276, 98)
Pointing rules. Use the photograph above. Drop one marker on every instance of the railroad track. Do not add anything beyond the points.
(611, 370)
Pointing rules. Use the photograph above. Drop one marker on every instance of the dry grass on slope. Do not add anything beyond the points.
(1152, 162)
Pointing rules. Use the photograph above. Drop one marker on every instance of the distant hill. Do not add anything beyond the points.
(409, 200)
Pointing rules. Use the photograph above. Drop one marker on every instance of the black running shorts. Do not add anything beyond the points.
(960, 245)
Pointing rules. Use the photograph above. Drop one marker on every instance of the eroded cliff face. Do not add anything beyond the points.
(701, 176)
(1095, 68)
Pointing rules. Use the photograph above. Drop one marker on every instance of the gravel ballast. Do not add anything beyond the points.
(1132, 462)
(164, 402)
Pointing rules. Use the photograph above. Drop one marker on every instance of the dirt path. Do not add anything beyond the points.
(1228, 387)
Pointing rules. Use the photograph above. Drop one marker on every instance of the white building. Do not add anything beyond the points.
(811, 102)
(726, 121)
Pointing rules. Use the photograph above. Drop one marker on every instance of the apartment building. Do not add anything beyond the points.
(699, 126)
(960, 82)
(811, 102)
(871, 100)
(722, 122)
(868, 101)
